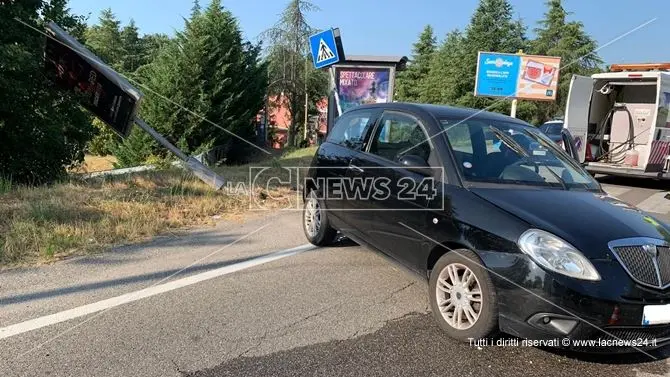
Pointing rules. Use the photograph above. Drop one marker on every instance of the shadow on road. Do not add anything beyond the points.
(635, 182)
(343, 241)
(634, 357)
(153, 276)
(415, 346)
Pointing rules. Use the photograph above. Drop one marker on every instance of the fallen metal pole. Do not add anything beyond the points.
(198, 168)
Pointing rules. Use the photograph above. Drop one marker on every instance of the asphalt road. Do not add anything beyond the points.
(649, 195)
(244, 309)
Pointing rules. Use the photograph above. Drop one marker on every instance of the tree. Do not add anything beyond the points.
(558, 37)
(411, 81)
(134, 55)
(151, 46)
(124, 50)
(58, 12)
(205, 80)
(441, 84)
(492, 28)
(43, 130)
(105, 40)
(289, 68)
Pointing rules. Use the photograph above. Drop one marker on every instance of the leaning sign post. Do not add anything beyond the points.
(517, 76)
(106, 94)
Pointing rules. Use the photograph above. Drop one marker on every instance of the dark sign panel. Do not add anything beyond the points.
(102, 90)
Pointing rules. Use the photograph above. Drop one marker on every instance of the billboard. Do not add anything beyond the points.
(102, 91)
(531, 77)
(362, 85)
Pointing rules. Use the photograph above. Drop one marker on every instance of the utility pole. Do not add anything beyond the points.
(306, 99)
(306, 111)
(515, 101)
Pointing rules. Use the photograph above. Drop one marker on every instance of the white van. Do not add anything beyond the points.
(620, 120)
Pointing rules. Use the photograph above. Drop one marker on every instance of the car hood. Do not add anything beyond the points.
(587, 220)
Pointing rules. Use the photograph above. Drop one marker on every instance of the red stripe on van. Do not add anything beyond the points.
(659, 152)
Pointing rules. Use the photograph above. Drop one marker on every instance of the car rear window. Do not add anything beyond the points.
(552, 129)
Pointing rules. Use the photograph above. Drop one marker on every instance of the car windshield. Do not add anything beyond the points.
(552, 128)
(501, 152)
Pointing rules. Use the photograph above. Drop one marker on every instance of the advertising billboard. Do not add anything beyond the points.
(362, 85)
(101, 90)
(530, 77)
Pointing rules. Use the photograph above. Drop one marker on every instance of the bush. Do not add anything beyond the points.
(105, 140)
(135, 150)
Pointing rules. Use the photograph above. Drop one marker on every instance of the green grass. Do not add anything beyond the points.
(299, 153)
(5, 185)
(43, 224)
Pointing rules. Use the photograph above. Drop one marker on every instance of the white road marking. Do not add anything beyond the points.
(616, 190)
(656, 203)
(81, 311)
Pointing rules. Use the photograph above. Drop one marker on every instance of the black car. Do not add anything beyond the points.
(553, 130)
(512, 233)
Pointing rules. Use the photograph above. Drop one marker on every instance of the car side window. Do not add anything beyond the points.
(459, 137)
(399, 135)
(350, 129)
(472, 147)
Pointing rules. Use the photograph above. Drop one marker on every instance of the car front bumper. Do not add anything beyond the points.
(603, 316)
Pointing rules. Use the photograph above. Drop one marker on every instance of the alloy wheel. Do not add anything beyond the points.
(459, 296)
(312, 217)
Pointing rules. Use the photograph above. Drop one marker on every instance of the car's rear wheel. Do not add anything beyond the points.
(462, 296)
(315, 222)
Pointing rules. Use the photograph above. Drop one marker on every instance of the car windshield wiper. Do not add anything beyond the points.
(512, 144)
(546, 145)
(509, 141)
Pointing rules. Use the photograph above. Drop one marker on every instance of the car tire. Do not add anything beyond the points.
(315, 221)
(485, 309)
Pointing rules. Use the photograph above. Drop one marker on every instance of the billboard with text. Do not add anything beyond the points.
(517, 76)
(362, 85)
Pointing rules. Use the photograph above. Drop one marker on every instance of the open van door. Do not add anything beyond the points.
(577, 113)
(569, 144)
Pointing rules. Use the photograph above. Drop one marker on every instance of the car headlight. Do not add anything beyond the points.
(556, 255)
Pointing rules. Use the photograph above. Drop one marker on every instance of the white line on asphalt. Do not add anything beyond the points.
(656, 203)
(81, 311)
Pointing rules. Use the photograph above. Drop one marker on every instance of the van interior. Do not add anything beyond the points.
(621, 121)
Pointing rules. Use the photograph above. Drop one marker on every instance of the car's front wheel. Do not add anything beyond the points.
(462, 296)
(315, 222)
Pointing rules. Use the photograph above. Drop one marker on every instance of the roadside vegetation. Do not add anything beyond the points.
(204, 80)
(75, 217)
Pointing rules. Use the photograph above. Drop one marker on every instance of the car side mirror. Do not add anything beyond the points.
(416, 164)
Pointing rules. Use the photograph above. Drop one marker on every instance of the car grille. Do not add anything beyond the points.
(645, 267)
(639, 263)
(645, 338)
(664, 264)
(635, 333)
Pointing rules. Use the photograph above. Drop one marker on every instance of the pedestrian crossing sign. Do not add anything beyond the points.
(324, 49)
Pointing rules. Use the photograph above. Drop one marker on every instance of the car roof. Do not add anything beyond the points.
(553, 122)
(443, 111)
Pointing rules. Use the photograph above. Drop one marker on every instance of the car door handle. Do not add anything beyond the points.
(356, 169)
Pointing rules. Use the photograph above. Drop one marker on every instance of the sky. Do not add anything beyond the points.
(390, 27)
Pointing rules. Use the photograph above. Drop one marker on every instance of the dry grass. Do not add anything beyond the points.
(43, 224)
(95, 163)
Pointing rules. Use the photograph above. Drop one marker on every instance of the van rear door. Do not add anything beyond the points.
(660, 137)
(577, 112)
